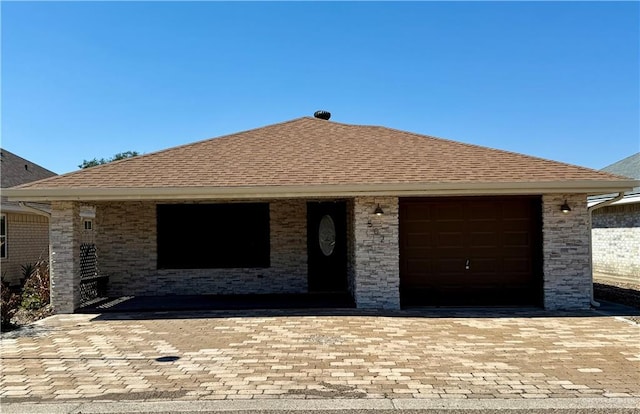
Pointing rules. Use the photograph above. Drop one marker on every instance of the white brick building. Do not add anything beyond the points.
(616, 227)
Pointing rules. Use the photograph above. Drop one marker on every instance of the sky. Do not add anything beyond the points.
(558, 80)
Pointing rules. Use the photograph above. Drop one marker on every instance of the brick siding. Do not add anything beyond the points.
(127, 253)
(27, 243)
(566, 261)
(65, 256)
(616, 240)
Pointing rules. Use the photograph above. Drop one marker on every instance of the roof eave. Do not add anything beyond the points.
(589, 187)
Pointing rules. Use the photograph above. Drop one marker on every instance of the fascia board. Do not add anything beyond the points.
(588, 187)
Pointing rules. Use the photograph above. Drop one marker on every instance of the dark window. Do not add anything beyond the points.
(205, 236)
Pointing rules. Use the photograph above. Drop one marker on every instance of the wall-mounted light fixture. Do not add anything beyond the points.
(378, 211)
(565, 207)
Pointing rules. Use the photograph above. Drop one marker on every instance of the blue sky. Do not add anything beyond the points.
(557, 80)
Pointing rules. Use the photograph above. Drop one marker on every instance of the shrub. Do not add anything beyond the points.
(27, 270)
(35, 291)
(9, 306)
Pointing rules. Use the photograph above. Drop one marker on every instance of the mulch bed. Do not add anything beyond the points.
(619, 292)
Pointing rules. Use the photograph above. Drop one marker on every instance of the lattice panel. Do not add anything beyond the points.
(88, 261)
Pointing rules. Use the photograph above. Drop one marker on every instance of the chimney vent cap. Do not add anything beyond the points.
(322, 115)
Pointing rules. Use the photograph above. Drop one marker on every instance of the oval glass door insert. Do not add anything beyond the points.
(327, 235)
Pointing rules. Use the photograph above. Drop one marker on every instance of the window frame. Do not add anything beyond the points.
(4, 250)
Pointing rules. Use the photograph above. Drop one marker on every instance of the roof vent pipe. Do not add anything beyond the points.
(322, 115)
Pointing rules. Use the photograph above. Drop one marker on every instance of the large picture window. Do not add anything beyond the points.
(3, 236)
(205, 236)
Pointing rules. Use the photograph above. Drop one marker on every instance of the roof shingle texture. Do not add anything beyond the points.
(628, 167)
(310, 151)
(15, 170)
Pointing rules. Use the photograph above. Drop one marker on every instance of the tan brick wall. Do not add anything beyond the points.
(27, 243)
(566, 252)
(127, 253)
(616, 240)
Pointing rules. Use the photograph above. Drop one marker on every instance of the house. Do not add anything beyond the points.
(394, 218)
(24, 229)
(616, 227)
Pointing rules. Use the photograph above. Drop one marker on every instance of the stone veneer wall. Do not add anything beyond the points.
(127, 253)
(27, 243)
(374, 263)
(65, 256)
(616, 240)
(351, 251)
(566, 250)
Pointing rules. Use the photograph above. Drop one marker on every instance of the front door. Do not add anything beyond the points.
(327, 246)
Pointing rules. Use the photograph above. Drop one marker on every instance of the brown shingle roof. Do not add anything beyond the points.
(314, 152)
(15, 170)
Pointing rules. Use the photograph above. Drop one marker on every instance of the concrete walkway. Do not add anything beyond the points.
(339, 355)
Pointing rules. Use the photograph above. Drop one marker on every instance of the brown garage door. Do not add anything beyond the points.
(470, 251)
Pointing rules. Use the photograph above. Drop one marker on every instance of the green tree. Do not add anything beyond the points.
(118, 156)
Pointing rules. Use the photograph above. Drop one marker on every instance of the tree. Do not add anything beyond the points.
(118, 156)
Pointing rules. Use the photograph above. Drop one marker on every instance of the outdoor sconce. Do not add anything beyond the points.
(565, 207)
(378, 211)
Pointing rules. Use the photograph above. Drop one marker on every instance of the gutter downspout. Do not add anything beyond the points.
(590, 210)
(34, 209)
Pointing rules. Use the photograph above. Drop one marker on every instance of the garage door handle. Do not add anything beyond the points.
(467, 264)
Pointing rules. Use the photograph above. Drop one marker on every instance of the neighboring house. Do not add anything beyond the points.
(24, 230)
(394, 218)
(616, 227)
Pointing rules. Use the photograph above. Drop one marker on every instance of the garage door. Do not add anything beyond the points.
(470, 251)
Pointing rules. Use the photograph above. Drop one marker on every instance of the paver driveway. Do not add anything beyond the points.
(253, 354)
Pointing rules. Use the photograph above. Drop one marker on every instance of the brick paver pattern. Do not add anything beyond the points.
(189, 356)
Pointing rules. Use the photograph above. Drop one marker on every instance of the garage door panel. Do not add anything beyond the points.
(449, 266)
(481, 226)
(447, 212)
(418, 267)
(483, 239)
(420, 226)
(520, 238)
(515, 265)
(418, 240)
(449, 240)
(416, 212)
(484, 265)
(500, 236)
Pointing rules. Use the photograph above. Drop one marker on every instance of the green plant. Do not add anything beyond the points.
(9, 305)
(27, 271)
(35, 291)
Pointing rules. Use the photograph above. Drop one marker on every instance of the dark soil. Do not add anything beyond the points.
(624, 293)
(24, 317)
